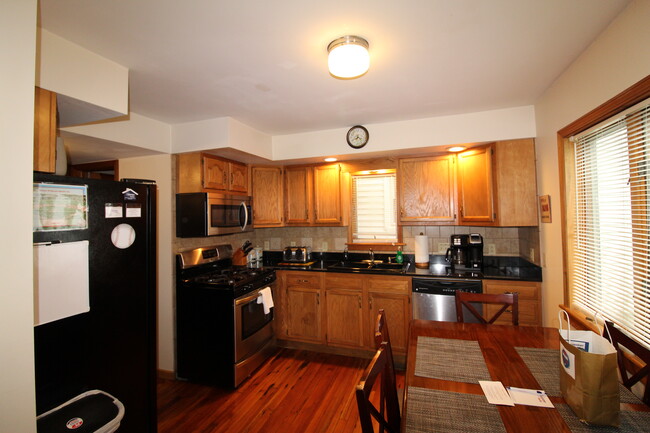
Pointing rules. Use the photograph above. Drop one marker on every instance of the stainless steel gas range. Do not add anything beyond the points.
(223, 317)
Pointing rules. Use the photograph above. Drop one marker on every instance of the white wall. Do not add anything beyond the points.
(68, 69)
(510, 123)
(18, 50)
(615, 61)
(159, 168)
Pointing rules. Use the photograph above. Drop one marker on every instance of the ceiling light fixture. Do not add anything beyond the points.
(330, 159)
(456, 149)
(348, 57)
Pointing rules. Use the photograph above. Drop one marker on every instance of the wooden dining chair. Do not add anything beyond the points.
(387, 416)
(621, 340)
(383, 336)
(507, 300)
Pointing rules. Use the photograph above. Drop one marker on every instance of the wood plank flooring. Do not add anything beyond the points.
(294, 391)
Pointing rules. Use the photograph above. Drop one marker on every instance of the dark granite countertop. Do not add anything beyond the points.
(494, 267)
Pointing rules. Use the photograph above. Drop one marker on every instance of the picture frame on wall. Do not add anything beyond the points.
(545, 208)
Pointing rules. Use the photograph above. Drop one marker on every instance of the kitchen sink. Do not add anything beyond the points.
(367, 265)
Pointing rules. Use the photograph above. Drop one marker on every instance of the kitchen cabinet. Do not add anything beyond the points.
(313, 195)
(303, 308)
(44, 130)
(202, 172)
(476, 186)
(268, 196)
(344, 296)
(391, 294)
(427, 190)
(530, 302)
(516, 182)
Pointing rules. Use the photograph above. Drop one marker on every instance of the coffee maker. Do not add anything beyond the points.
(465, 252)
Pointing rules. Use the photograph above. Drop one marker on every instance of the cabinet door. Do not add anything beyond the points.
(298, 185)
(44, 131)
(516, 183)
(476, 186)
(344, 317)
(267, 196)
(304, 313)
(327, 194)
(427, 190)
(397, 309)
(238, 181)
(215, 173)
(530, 304)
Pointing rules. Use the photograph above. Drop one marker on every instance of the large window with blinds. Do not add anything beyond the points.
(610, 228)
(374, 208)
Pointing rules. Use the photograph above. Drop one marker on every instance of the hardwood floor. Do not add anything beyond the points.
(295, 391)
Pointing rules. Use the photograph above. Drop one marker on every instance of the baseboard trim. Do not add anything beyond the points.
(166, 374)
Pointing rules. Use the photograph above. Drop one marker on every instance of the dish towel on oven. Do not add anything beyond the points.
(266, 299)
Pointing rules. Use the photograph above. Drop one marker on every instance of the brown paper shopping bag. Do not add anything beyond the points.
(588, 377)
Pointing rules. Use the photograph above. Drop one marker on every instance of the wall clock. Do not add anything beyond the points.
(357, 136)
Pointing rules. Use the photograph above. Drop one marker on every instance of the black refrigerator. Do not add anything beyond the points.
(110, 343)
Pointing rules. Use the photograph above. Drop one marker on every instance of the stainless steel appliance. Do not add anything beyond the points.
(296, 254)
(465, 252)
(209, 214)
(222, 331)
(435, 298)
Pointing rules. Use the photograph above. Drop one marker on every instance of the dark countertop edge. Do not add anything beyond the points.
(321, 265)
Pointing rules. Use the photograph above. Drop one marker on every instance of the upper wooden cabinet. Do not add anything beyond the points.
(313, 195)
(197, 172)
(44, 131)
(516, 181)
(267, 196)
(427, 189)
(476, 186)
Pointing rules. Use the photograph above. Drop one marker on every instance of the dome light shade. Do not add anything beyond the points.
(348, 57)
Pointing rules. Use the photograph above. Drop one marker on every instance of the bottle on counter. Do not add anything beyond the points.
(399, 256)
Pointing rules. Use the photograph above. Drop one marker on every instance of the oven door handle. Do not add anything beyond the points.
(248, 299)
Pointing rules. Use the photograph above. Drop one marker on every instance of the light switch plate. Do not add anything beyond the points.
(532, 254)
(293, 243)
(325, 246)
(491, 249)
(267, 245)
(442, 247)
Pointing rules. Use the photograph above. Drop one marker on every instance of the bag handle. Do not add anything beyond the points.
(568, 322)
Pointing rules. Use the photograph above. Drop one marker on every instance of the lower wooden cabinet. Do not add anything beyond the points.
(530, 300)
(340, 310)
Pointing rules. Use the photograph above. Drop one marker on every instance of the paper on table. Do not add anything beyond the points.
(529, 397)
(496, 393)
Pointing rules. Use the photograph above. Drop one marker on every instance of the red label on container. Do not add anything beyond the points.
(74, 423)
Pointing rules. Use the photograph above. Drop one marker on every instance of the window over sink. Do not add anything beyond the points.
(374, 208)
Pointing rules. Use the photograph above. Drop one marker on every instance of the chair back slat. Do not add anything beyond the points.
(619, 339)
(387, 416)
(508, 300)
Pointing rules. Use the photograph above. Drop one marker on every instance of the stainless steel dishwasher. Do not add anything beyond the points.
(435, 298)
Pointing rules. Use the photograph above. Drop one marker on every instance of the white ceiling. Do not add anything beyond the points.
(265, 62)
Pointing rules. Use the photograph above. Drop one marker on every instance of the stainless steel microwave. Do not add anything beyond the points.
(209, 214)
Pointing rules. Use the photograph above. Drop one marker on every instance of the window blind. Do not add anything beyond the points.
(610, 265)
(374, 211)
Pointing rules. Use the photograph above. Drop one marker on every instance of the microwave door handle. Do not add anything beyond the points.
(243, 206)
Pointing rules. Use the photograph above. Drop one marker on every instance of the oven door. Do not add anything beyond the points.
(230, 214)
(253, 328)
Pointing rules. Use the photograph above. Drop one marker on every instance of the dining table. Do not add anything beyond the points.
(446, 361)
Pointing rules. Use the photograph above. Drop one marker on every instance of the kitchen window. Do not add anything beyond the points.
(374, 208)
(608, 219)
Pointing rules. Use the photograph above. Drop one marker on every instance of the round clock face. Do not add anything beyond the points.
(358, 136)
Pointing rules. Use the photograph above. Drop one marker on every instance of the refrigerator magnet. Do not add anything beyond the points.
(133, 210)
(113, 210)
(123, 236)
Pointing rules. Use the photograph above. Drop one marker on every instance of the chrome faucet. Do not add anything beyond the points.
(372, 255)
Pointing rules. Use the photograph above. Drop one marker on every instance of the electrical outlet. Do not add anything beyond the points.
(293, 243)
(491, 250)
(267, 245)
(442, 246)
(532, 254)
(325, 246)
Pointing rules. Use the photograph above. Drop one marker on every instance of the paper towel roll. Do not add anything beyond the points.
(422, 251)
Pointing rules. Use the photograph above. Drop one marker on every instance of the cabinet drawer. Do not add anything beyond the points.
(343, 281)
(304, 279)
(526, 290)
(389, 284)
